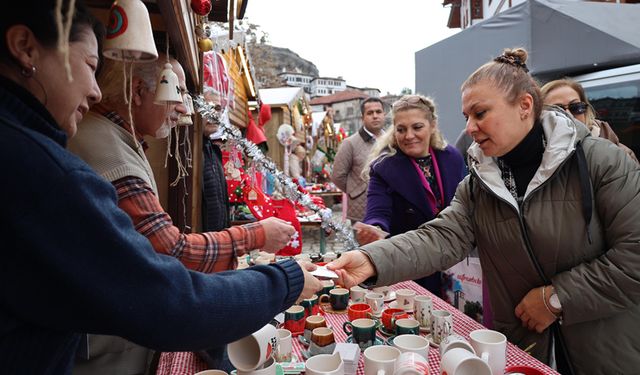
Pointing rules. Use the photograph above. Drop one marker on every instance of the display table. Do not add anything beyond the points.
(186, 363)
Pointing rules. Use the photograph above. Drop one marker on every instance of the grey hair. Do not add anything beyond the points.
(111, 78)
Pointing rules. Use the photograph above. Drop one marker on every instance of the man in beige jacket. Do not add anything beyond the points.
(352, 158)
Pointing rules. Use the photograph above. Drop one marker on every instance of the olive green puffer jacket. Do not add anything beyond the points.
(597, 281)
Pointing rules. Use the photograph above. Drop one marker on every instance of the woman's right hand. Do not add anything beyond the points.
(366, 233)
(353, 267)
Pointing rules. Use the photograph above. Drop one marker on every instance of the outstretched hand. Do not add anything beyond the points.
(277, 233)
(353, 267)
(366, 233)
(311, 283)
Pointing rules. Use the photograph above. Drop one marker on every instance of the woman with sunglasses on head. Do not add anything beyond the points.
(413, 176)
(72, 262)
(554, 213)
(570, 96)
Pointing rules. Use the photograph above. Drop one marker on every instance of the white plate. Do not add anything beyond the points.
(394, 305)
(390, 297)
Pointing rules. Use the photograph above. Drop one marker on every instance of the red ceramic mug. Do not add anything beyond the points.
(389, 316)
(359, 310)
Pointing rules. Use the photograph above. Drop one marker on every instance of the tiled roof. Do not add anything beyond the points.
(341, 96)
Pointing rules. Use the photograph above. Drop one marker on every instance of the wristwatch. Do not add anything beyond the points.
(554, 301)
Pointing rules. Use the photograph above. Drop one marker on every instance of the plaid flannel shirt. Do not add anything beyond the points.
(204, 252)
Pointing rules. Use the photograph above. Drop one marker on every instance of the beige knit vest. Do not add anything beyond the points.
(110, 150)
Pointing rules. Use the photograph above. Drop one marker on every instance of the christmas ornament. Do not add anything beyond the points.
(201, 7)
(267, 166)
(205, 45)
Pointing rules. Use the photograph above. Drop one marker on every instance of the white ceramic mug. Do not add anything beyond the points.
(357, 294)
(211, 372)
(249, 353)
(405, 298)
(324, 364)
(385, 290)
(459, 361)
(491, 346)
(455, 341)
(441, 325)
(422, 306)
(284, 347)
(411, 364)
(376, 301)
(268, 368)
(380, 360)
(412, 344)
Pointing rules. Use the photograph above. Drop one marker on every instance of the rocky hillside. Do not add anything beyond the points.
(268, 61)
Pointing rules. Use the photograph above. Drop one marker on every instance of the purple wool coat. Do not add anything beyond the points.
(397, 201)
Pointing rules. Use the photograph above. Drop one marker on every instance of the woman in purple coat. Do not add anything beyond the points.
(413, 176)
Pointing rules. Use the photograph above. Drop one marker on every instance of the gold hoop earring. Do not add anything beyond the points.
(28, 72)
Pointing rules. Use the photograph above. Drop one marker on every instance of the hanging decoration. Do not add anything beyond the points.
(266, 166)
(201, 7)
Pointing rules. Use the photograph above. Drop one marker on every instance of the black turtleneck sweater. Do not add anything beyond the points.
(525, 158)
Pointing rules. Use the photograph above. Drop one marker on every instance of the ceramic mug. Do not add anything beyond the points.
(412, 364)
(405, 298)
(363, 331)
(311, 306)
(412, 344)
(380, 360)
(389, 316)
(338, 297)
(357, 294)
(455, 341)
(294, 319)
(250, 352)
(324, 364)
(407, 326)
(459, 361)
(491, 346)
(322, 341)
(422, 306)
(284, 348)
(327, 285)
(310, 323)
(441, 325)
(376, 301)
(359, 310)
(211, 372)
(385, 290)
(268, 368)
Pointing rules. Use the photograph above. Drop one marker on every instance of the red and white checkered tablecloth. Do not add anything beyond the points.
(186, 363)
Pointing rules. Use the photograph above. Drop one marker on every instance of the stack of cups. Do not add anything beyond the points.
(253, 355)
(484, 355)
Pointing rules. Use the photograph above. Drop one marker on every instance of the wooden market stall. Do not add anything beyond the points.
(177, 21)
(284, 110)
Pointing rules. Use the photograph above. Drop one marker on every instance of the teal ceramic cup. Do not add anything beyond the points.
(362, 331)
(338, 297)
(407, 326)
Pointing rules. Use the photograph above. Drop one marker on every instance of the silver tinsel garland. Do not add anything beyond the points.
(266, 165)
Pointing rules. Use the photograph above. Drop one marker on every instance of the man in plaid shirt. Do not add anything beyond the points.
(105, 141)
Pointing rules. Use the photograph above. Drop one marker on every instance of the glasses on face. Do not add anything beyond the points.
(576, 108)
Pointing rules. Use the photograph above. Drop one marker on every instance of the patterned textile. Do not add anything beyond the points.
(426, 166)
(186, 363)
(204, 252)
